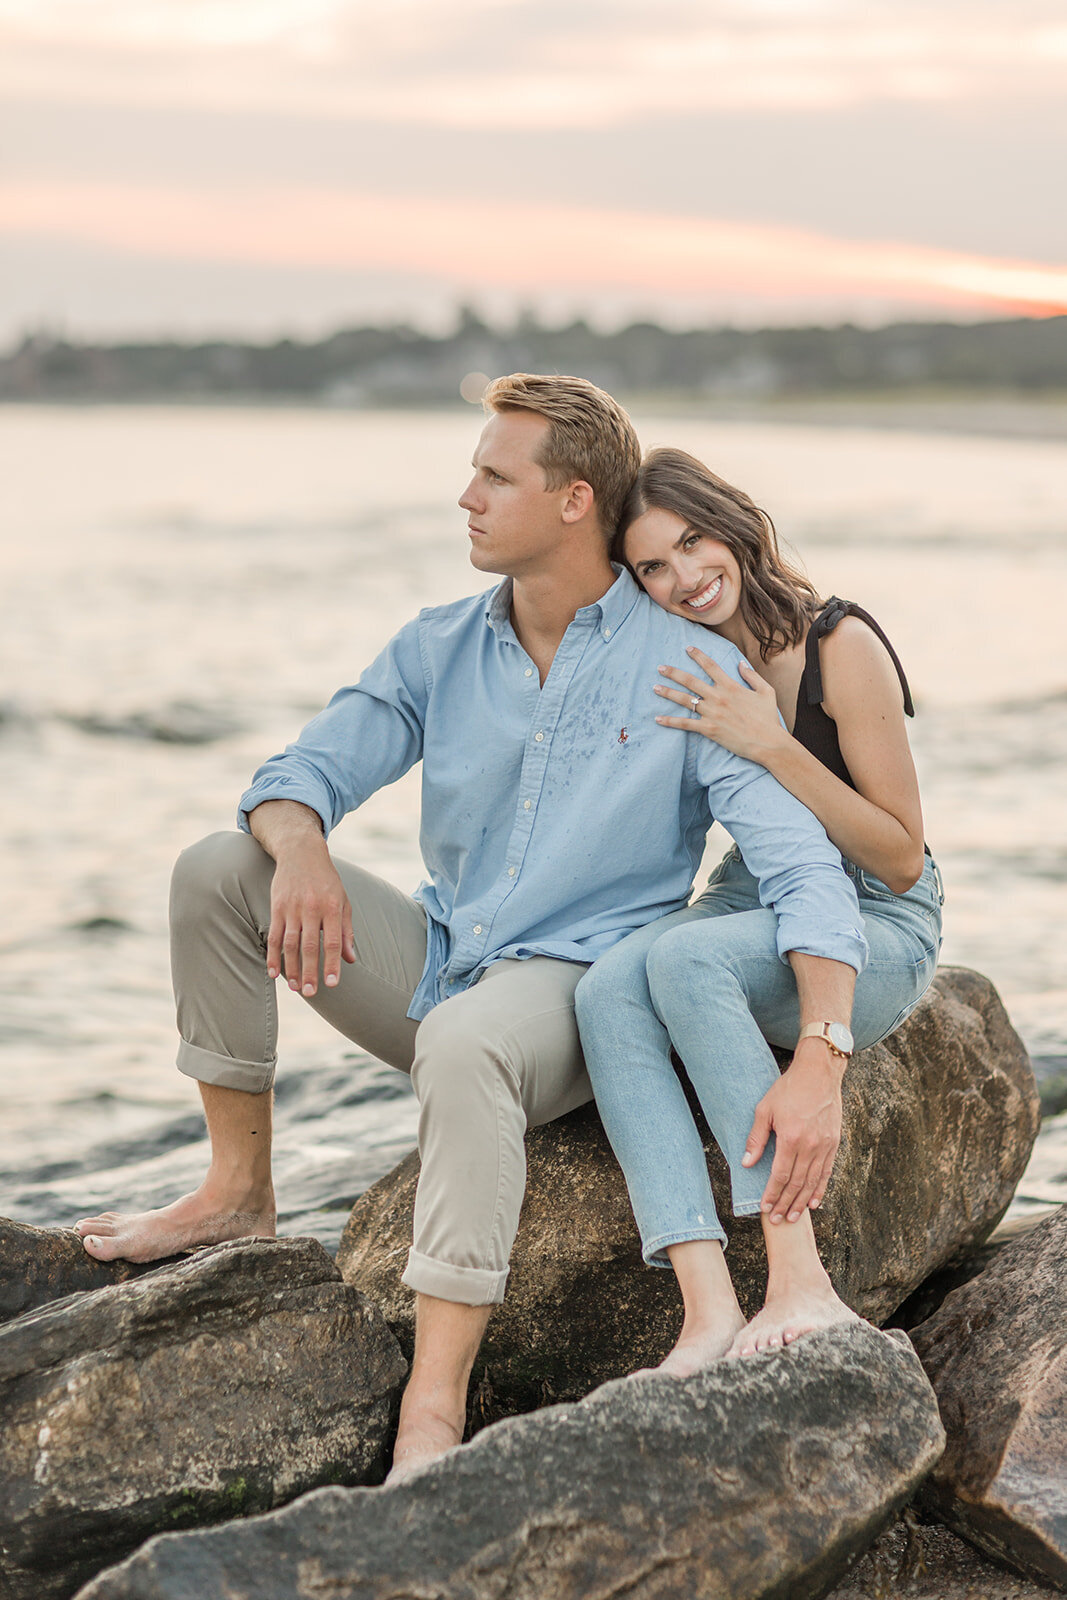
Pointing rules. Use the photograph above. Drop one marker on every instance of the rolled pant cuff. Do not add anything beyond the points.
(747, 1208)
(470, 1286)
(654, 1253)
(253, 1077)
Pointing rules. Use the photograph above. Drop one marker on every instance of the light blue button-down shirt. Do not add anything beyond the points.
(556, 820)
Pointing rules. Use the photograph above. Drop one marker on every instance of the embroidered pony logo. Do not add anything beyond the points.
(623, 735)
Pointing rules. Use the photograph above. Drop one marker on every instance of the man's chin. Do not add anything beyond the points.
(482, 561)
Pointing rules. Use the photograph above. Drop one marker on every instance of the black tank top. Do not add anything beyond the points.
(813, 728)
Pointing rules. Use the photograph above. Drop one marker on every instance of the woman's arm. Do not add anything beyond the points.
(878, 825)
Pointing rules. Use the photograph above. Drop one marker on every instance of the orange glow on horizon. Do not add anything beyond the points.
(526, 248)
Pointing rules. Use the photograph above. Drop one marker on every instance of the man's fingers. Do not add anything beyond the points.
(309, 957)
(348, 938)
(781, 1174)
(798, 1190)
(756, 1142)
(331, 951)
(823, 1180)
(275, 936)
(291, 947)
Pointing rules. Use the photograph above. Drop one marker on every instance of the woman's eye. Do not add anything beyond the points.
(692, 540)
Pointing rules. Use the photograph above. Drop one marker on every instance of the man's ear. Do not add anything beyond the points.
(580, 501)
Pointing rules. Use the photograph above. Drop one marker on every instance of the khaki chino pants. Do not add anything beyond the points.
(485, 1065)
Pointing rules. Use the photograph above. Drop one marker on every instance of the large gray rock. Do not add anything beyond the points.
(996, 1353)
(759, 1479)
(226, 1384)
(939, 1123)
(42, 1264)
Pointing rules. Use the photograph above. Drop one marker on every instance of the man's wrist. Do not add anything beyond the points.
(835, 1035)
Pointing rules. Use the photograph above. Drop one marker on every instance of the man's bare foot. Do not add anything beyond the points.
(425, 1434)
(786, 1317)
(198, 1218)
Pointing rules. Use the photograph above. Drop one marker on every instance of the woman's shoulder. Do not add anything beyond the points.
(857, 662)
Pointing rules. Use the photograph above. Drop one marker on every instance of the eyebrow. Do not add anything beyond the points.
(686, 531)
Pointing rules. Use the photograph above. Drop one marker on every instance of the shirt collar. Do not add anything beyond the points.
(612, 608)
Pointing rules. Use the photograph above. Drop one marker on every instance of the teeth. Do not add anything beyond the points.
(707, 595)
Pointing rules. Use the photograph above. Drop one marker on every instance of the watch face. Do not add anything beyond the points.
(840, 1037)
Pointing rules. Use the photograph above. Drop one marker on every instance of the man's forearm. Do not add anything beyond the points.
(824, 988)
(281, 825)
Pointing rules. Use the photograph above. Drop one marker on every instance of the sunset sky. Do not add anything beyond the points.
(261, 167)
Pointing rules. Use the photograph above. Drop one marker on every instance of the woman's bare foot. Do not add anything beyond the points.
(701, 1345)
(786, 1317)
(425, 1434)
(203, 1217)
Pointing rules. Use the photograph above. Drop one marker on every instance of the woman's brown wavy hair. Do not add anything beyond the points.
(777, 601)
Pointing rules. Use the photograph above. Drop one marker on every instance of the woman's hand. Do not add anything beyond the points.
(744, 721)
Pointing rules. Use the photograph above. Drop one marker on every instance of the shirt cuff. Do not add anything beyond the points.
(281, 788)
(840, 943)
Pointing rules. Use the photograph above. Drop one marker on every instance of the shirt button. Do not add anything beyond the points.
(607, 633)
(477, 927)
(526, 804)
(538, 738)
(511, 872)
(528, 673)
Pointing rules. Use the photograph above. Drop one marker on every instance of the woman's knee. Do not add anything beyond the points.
(614, 978)
(689, 957)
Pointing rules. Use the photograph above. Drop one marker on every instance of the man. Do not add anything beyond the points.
(556, 817)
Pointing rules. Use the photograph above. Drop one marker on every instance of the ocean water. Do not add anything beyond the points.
(183, 588)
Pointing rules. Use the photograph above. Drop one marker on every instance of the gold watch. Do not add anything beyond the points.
(837, 1037)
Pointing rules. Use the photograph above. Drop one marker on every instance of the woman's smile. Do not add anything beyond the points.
(707, 596)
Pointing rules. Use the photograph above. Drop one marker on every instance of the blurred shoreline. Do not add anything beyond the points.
(1006, 415)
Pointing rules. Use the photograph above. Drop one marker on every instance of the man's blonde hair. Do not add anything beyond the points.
(589, 435)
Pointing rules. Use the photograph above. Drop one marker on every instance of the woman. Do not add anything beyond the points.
(708, 980)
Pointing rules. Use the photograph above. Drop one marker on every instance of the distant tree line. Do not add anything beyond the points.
(399, 365)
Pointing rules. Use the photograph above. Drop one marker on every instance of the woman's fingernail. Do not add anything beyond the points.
(331, 980)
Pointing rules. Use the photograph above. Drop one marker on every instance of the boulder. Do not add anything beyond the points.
(759, 1478)
(939, 1123)
(227, 1383)
(996, 1354)
(42, 1264)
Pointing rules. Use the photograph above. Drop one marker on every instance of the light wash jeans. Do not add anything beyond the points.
(708, 980)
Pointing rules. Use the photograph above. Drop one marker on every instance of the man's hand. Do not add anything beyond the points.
(803, 1109)
(308, 904)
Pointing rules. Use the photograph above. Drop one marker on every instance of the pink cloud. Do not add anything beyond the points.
(492, 245)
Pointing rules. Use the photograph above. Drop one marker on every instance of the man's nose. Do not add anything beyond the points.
(468, 499)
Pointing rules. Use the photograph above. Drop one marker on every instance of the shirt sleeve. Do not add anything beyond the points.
(785, 847)
(369, 735)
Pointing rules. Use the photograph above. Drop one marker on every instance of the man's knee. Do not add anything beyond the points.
(221, 863)
(455, 1058)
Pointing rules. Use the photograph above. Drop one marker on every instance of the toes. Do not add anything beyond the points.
(100, 1246)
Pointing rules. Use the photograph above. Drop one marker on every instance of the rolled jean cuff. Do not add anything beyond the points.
(469, 1286)
(654, 1252)
(253, 1077)
(747, 1208)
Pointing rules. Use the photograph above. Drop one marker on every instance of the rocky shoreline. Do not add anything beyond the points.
(235, 1408)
